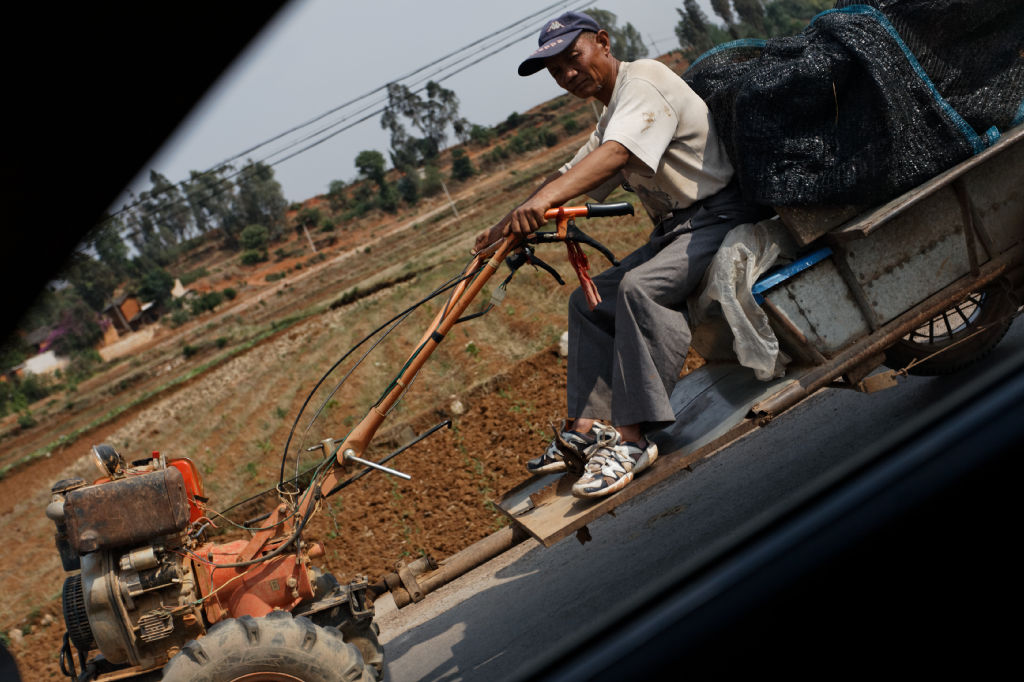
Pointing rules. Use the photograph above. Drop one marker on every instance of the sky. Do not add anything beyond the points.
(317, 55)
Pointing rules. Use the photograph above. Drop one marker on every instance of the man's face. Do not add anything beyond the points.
(585, 69)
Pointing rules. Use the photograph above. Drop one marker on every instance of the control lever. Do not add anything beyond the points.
(327, 445)
(526, 255)
(574, 234)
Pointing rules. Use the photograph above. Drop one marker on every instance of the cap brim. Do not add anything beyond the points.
(535, 62)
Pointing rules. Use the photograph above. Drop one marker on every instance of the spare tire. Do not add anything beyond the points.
(274, 648)
(969, 330)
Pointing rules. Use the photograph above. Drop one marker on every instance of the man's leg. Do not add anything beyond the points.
(649, 346)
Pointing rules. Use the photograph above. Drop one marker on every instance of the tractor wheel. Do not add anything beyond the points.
(984, 316)
(275, 648)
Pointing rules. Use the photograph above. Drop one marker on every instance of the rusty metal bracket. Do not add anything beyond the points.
(358, 605)
(880, 381)
(409, 582)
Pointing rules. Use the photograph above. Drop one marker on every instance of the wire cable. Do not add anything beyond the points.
(227, 162)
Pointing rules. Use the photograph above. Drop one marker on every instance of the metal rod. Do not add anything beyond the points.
(356, 477)
(378, 467)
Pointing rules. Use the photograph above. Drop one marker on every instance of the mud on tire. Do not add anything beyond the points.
(275, 647)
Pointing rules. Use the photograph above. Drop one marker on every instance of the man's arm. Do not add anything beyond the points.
(592, 171)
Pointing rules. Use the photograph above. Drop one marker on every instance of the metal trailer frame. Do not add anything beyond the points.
(891, 269)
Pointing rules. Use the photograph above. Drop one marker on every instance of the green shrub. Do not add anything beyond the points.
(207, 301)
(254, 238)
(462, 167)
(230, 294)
(431, 183)
(190, 277)
(253, 256)
(480, 135)
(178, 317)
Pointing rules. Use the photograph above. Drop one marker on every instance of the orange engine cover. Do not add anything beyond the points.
(281, 582)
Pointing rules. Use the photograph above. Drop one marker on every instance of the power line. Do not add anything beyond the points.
(228, 162)
(396, 80)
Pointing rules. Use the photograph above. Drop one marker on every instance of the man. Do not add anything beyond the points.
(657, 136)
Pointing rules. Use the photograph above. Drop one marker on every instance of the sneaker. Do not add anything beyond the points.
(612, 465)
(552, 461)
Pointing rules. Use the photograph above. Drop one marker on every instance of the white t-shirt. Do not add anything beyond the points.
(677, 156)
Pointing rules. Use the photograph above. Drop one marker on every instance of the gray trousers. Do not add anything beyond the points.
(625, 355)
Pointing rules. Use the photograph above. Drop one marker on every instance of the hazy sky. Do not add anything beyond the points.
(319, 54)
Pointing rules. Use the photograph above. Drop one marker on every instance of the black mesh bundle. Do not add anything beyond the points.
(869, 100)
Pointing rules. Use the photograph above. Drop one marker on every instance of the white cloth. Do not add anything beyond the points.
(668, 129)
(747, 252)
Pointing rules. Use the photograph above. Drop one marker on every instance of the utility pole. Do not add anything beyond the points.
(450, 202)
(305, 230)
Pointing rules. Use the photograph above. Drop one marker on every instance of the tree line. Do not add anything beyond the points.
(697, 33)
(244, 209)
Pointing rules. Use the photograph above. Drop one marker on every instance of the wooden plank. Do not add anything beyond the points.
(712, 408)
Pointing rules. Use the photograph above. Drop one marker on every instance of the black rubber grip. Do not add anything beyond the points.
(608, 210)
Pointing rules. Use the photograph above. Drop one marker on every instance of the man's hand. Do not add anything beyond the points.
(529, 216)
(489, 236)
(592, 171)
(523, 221)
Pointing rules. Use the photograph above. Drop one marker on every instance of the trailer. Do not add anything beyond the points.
(926, 283)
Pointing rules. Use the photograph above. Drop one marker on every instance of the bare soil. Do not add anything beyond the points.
(230, 402)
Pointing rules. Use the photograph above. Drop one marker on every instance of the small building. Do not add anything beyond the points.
(128, 313)
(44, 363)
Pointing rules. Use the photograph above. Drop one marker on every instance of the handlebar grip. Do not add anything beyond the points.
(608, 210)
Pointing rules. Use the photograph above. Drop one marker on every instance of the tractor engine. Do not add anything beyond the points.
(134, 595)
(144, 582)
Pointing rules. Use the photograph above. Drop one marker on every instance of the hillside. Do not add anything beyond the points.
(225, 388)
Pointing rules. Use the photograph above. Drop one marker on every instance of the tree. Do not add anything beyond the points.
(695, 32)
(626, 42)
(462, 167)
(370, 164)
(150, 241)
(409, 187)
(480, 135)
(789, 17)
(167, 208)
(155, 285)
(751, 13)
(336, 194)
(91, 279)
(259, 201)
(210, 196)
(432, 117)
(254, 237)
(78, 327)
(723, 8)
(744, 19)
(432, 180)
(106, 240)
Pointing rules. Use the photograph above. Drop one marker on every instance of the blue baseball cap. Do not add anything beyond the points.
(557, 35)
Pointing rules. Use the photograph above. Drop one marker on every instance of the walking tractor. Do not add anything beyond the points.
(150, 597)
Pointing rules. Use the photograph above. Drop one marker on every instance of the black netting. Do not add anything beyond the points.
(869, 100)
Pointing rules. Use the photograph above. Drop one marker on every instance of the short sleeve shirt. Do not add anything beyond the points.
(677, 158)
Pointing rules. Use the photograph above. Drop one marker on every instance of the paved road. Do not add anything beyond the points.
(488, 624)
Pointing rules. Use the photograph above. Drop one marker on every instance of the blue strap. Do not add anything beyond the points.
(780, 275)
